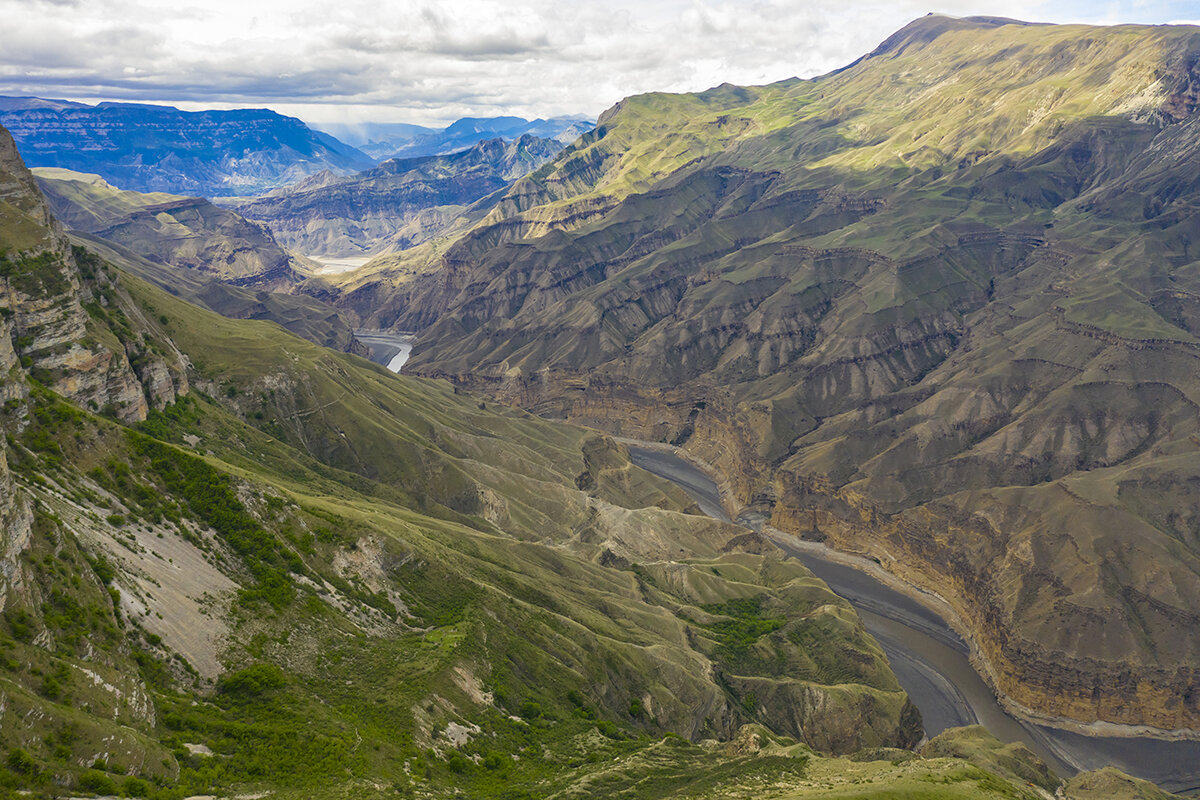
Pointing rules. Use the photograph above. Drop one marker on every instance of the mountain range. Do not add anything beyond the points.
(401, 140)
(936, 308)
(151, 148)
(400, 203)
(233, 559)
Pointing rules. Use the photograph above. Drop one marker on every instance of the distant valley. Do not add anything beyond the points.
(384, 141)
(398, 204)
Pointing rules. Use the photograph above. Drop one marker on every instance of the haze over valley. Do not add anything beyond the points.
(663, 400)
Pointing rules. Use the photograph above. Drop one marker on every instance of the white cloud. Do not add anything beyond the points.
(429, 61)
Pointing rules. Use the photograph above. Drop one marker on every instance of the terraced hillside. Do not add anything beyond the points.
(234, 561)
(938, 307)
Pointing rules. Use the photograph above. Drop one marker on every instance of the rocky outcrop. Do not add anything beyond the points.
(43, 292)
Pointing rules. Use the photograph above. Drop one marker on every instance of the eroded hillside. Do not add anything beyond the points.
(935, 307)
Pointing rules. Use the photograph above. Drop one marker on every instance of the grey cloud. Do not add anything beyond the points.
(425, 61)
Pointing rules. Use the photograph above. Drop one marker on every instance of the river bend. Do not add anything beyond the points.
(932, 662)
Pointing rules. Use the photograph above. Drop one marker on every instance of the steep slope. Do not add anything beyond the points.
(934, 307)
(150, 148)
(185, 232)
(397, 204)
(305, 316)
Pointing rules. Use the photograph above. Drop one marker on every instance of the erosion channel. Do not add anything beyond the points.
(932, 661)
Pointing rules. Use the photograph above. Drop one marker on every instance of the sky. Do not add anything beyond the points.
(431, 62)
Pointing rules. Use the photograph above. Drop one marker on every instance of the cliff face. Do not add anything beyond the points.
(44, 294)
(961, 341)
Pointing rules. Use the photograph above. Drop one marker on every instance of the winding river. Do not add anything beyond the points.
(387, 348)
(932, 663)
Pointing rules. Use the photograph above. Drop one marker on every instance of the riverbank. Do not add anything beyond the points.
(933, 660)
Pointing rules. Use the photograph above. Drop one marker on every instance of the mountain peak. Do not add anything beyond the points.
(924, 30)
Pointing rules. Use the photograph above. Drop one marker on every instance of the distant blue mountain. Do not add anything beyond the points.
(159, 148)
(400, 140)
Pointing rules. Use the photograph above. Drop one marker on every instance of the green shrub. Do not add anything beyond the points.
(251, 682)
(96, 782)
(20, 624)
(20, 761)
(135, 787)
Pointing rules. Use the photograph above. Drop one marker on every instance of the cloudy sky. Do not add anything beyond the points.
(432, 62)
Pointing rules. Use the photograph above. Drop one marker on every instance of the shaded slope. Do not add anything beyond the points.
(933, 307)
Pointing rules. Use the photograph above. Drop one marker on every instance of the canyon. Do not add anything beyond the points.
(969, 360)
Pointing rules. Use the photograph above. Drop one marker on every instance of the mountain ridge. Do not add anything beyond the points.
(159, 148)
(398, 203)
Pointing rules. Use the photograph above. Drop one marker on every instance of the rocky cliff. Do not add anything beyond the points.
(45, 292)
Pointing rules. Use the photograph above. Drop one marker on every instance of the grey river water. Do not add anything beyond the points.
(387, 348)
(931, 662)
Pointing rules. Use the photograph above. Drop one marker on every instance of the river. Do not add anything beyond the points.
(387, 348)
(932, 663)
